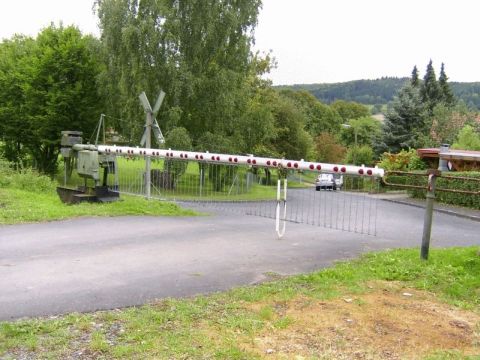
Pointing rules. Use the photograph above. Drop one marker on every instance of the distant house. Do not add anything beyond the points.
(458, 160)
(379, 117)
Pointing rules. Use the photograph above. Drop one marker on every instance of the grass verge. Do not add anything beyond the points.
(21, 206)
(367, 299)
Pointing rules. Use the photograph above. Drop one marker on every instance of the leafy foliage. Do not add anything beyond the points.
(405, 160)
(452, 198)
(24, 179)
(52, 88)
(468, 139)
(350, 110)
(178, 139)
(318, 116)
(447, 121)
(366, 130)
(15, 58)
(197, 51)
(292, 140)
(360, 155)
(329, 148)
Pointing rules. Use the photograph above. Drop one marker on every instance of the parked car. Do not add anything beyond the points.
(329, 181)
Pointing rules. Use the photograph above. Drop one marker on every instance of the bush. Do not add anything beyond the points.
(468, 139)
(403, 161)
(25, 179)
(359, 155)
(467, 200)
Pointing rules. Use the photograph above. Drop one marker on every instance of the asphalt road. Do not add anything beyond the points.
(102, 263)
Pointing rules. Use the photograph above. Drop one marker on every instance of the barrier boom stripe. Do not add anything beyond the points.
(229, 159)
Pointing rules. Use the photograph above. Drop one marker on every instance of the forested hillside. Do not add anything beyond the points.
(380, 91)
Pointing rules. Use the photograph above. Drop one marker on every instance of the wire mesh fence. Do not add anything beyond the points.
(342, 202)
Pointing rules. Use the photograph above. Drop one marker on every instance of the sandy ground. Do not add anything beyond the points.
(389, 322)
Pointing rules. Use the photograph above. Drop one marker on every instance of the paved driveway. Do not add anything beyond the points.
(101, 263)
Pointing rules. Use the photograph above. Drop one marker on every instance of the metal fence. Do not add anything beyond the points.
(251, 190)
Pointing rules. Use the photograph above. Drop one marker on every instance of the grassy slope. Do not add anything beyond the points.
(214, 326)
(20, 206)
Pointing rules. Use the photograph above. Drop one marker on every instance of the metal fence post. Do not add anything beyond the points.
(201, 181)
(427, 224)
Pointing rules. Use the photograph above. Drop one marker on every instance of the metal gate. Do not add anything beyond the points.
(327, 195)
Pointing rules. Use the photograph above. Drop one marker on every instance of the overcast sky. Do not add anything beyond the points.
(322, 41)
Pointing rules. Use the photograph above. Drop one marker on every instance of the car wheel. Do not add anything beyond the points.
(318, 188)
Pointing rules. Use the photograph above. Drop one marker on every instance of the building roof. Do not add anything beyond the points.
(451, 154)
(465, 155)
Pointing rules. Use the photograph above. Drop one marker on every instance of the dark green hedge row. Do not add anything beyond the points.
(468, 200)
(472, 201)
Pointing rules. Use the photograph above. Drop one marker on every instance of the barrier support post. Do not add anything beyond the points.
(427, 223)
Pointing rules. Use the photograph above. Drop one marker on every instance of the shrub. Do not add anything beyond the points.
(403, 161)
(468, 200)
(468, 139)
(25, 179)
(359, 155)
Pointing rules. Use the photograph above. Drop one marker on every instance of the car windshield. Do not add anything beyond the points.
(325, 177)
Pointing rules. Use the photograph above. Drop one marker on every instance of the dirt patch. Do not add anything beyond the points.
(386, 323)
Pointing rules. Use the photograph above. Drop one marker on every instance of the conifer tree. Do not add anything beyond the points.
(414, 80)
(445, 91)
(405, 122)
(430, 91)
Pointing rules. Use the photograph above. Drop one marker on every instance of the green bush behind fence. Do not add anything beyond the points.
(467, 200)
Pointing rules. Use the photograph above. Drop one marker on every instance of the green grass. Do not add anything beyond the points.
(21, 206)
(214, 326)
(26, 196)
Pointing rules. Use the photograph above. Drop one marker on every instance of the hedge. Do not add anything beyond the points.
(467, 200)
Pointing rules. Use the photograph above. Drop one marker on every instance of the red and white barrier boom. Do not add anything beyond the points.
(228, 159)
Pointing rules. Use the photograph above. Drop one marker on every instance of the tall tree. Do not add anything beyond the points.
(414, 80)
(63, 92)
(318, 116)
(328, 148)
(56, 90)
(446, 93)
(15, 75)
(405, 122)
(198, 51)
(430, 91)
(349, 110)
(292, 140)
(362, 131)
